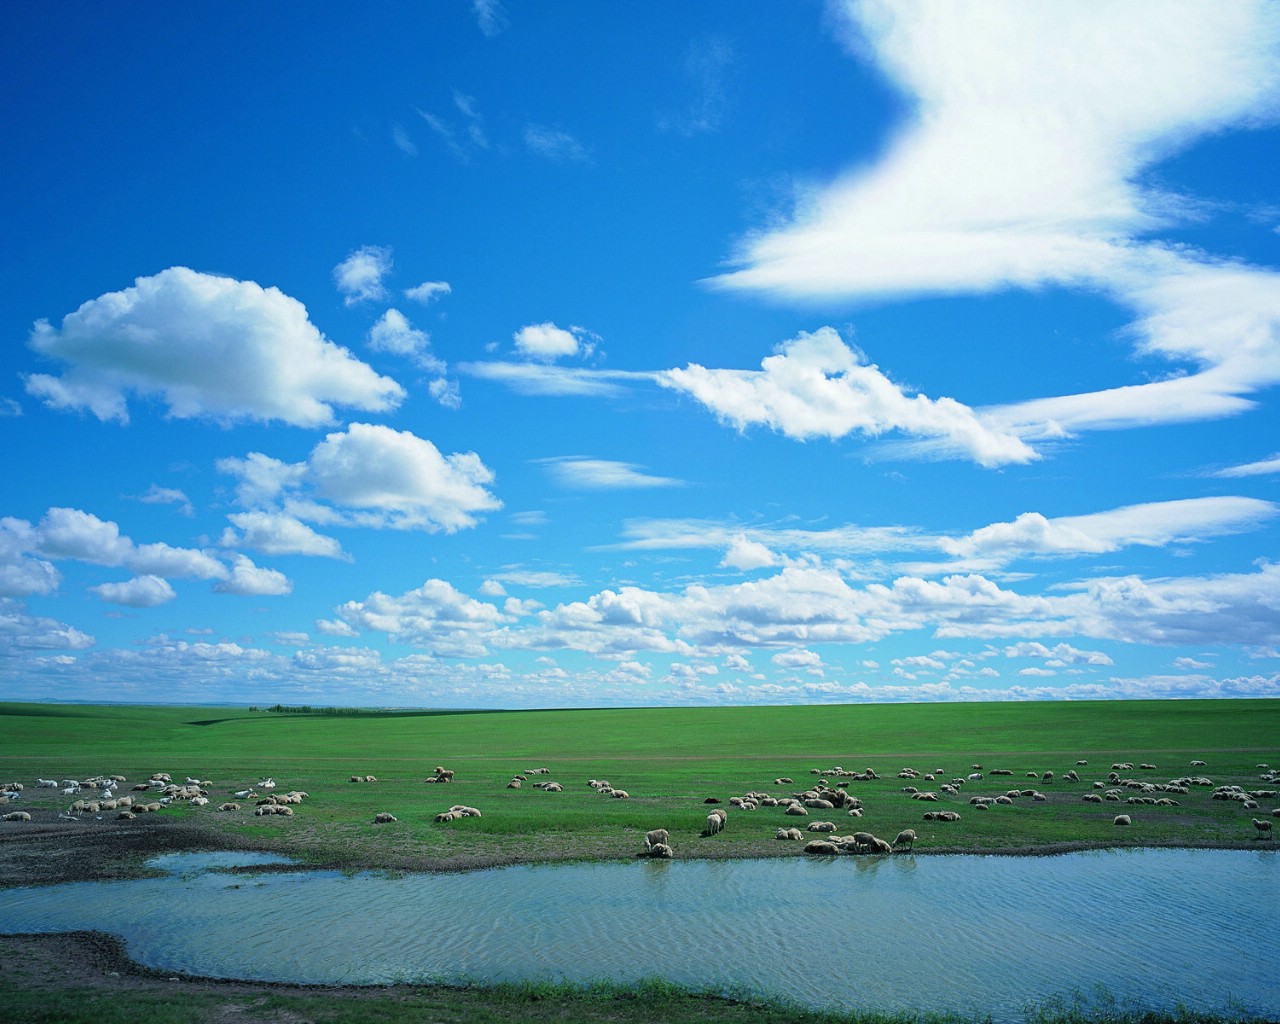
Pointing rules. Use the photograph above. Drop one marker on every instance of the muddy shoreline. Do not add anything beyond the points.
(54, 852)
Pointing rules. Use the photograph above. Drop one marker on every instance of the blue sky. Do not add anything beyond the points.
(553, 354)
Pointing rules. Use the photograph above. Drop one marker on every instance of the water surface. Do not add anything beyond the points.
(969, 934)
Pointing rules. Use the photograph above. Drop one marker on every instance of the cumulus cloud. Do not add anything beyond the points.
(394, 333)
(603, 474)
(546, 341)
(434, 616)
(746, 554)
(816, 386)
(276, 533)
(20, 631)
(1152, 524)
(207, 347)
(139, 592)
(157, 495)
(367, 476)
(20, 574)
(1059, 655)
(359, 276)
(428, 291)
(249, 579)
(73, 533)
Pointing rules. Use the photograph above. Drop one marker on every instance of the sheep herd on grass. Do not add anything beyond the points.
(97, 796)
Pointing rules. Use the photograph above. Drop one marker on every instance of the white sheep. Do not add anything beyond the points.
(24, 816)
(1122, 819)
(383, 818)
(906, 837)
(655, 836)
(661, 850)
(716, 822)
(1263, 827)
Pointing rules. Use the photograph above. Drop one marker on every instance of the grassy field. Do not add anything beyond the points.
(669, 761)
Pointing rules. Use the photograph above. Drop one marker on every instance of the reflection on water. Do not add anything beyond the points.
(963, 934)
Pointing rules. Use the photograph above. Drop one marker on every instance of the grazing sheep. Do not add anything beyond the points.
(513, 784)
(620, 794)
(229, 807)
(655, 836)
(444, 816)
(823, 847)
(822, 826)
(717, 821)
(799, 811)
(1122, 819)
(906, 837)
(879, 846)
(660, 850)
(24, 816)
(1263, 827)
(383, 818)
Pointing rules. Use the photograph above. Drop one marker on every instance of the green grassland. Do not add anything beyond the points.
(668, 760)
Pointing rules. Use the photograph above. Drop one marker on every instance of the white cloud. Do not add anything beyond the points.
(394, 333)
(402, 141)
(428, 291)
(1044, 151)
(206, 346)
(249, 579)
(359, 276)
(706, 68)
(746, 554)
(816, 386)
(157, 495)
(1042, 116)
(19, 631)
(434, 616)
(20, 574)
(402, 479)
(73, 533)
(139, 592)
(1061, 654)
(462, 141)
(546, 341)
(1153, 524)
(446, 392)
(490, 16)
(538, 379)
(1263, 467)
(275, 533)
(554, 144)
(603, 474)
(367, 476)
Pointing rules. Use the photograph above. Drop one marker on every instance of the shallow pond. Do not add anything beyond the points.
(967, 934)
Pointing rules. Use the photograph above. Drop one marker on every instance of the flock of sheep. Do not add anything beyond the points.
(99, 795)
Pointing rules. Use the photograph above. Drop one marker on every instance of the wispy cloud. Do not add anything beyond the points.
(490, 16)
(1044, 155)
(1263, 467)
(706, 70)
(602, 474)
(463, 140)
(555, 144)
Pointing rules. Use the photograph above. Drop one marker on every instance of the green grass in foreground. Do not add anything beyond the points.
(648, 1002)
(669, 760)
